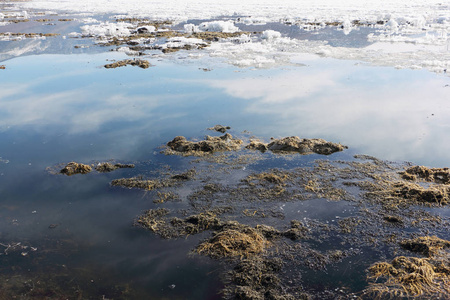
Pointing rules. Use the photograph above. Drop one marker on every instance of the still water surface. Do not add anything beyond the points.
(60, 108)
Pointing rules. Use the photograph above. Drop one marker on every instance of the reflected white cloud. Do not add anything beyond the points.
(283, 88)
(399, 115)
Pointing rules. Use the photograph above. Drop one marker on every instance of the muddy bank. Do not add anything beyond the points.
(141, 63)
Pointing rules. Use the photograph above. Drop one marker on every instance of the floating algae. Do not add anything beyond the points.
(427, 245)
(141, 63)
(257, 145)
(136, 182)
(150, 184)
(220, 128)
(238, 213)
(109, 167)
(414, 192)
(257, 278)
(438, 175)
(304, 146)
(234, 242)
(179, 145)
(75, 168)
(408, 277)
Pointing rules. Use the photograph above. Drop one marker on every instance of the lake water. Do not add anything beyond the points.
(58, 104)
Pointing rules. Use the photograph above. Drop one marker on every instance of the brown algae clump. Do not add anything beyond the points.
(234, 242)
(156, 221)
(426, 245)
(433, 194)
(438, 175)
(179, 145)
(257, 278)
(144, 64)
(75, 168)
(109, 167)
(220, 128)
(294, 144)
(257, 145)
(305, 146)
(408, 277)
(136, 182)
(153, 220)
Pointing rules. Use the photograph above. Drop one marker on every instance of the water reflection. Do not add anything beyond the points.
(60, 108)
(392, 114)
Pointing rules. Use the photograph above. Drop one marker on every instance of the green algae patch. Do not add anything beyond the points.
(141, 63)
(73, 168)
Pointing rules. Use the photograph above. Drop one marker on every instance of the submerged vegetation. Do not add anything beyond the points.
(240, 215)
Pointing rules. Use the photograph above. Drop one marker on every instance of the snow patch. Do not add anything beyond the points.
(107, 29)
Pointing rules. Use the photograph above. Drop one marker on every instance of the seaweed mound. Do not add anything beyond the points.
(75, 168)
(220, 128)
(141, 63)
(304, 146)
(257, 278)
(210, 145)
(232, 242)
(438, 175)
(136, 182)
(433, 194)
(109, 167)
(426, 245)
(257, 145)
(408, 277)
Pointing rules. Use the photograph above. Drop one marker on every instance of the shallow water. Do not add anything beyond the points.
(57, 108)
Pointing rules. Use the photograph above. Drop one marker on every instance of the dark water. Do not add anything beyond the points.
(57, 108)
